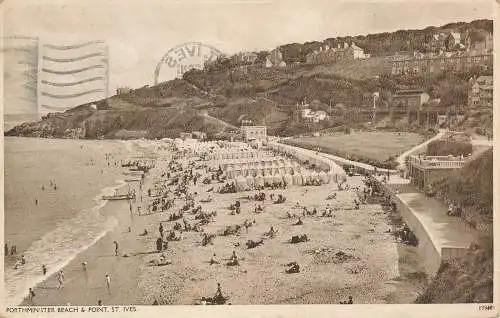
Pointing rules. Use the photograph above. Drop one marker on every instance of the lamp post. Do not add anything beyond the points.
(375, 98)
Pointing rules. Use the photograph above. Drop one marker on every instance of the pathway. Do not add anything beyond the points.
(402, 158)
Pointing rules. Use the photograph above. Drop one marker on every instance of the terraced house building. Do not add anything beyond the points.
(434, 64)
(480, 93)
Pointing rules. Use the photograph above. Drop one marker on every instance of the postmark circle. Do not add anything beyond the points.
(182, 58)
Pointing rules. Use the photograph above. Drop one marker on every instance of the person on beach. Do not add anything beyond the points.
(36, 201)
(99, 302)
(13, 250)
(60, 279)
(31, 295)
(23, 260)
(218, 293)
(84, 266)
(6, 249)
(116, 247)
(160, 229)
(108, 283)
(44, 269)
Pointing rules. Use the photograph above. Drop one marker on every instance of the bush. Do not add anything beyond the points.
(445, 148)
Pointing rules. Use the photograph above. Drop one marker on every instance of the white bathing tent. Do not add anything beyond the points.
(288, 178)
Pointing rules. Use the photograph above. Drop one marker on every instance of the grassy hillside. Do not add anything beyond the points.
(472, 275)
(264, 95)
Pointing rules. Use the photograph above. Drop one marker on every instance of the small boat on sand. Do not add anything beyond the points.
(129, 196)
(133, 173)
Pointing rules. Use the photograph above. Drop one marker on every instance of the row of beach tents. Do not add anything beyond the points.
(307, 156)
(249, 183)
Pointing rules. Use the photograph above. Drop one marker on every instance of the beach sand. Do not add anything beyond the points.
(370, 274)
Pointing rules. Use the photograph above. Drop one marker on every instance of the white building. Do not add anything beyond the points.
(310, 116)
(254, 133)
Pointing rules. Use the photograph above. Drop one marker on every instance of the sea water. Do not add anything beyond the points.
(68, 218)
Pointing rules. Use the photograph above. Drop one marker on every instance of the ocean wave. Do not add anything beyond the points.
(57, 248)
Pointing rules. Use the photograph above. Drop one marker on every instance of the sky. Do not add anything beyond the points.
(140, 32)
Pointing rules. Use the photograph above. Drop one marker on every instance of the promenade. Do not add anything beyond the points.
(441, 237)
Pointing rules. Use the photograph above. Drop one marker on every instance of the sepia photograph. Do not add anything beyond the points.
(247, 153)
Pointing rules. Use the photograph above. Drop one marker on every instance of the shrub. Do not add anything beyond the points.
(445, 147)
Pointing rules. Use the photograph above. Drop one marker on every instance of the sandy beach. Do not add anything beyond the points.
(348, 254)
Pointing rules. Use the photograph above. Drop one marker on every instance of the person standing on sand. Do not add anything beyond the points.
(116, 247)
(161, 229)
(13, 250)
(60, 279)
(44, 269)
(31, 295)
(6, 249)
(108, 283)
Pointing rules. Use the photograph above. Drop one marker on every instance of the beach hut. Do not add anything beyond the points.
(230, 173)
(241, 184)
(259, 181)
(324, 177)
(314, 176)
(277, 178)
(288, 179)
(250, 182)
(297, 179)
(306, 176)
(268, 179)
(333, 177)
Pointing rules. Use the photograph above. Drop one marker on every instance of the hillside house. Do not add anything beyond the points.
(275, 59)
(480, 94)
(409, 100)
(123, 90)
(185, 135)
(309, 116)
(328, 55)
(243, 58)
(483, 46)
(453, 42)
